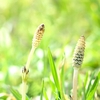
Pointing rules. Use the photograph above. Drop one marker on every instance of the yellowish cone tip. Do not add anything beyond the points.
(38, 35)
(79, 53)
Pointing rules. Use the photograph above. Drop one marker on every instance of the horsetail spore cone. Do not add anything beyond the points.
(38, 35)
(77, 62)
(35, 42)
(79, 53)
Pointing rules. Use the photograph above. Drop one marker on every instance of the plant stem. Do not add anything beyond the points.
(35, 42)
(75, 77)
(29, 58)
(23, 90)
(25, 72)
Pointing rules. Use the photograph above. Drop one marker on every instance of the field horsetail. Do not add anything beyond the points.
(35, 42)
(77, 62)
(79, 53)
(38, 35)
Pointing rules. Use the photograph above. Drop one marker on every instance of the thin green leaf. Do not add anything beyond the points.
(54, 71)
(62, 79)
(16, 93)
(52, 84)
(62, 74)
(85, 85)
(41, 97)
(86, 80)
(89, 85)
(43, 92)
(93, 88)
(45, 95)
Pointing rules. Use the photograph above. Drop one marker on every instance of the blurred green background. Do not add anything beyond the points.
(65, 21)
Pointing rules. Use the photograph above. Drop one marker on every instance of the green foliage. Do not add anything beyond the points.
(16, 94)
(54, 73)
(43, 93)
(65, 21)
(92, 87)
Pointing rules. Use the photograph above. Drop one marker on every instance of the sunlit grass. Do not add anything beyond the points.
(65, 21)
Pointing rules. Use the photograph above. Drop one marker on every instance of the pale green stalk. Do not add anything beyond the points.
(77, 62)
(75, 77)
(29, 58)
(23, 90)
(35, 42)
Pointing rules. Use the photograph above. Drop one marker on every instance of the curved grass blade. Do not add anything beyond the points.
(85, 85)
(16, 94)
(93, 87)
(43, 93)
(54, 72)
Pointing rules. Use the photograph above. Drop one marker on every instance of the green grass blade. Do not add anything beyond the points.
(54, 72)
(85, 85)
(62, 74)
(45, 95)
(86, 80)
(44, 92)
(89, 85)
(62, 79)
(41, 97)
(16, 94)
(93, 87)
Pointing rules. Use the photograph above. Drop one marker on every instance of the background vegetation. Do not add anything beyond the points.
(65, 21)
